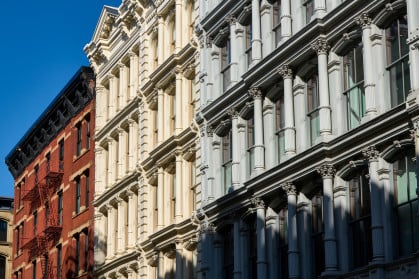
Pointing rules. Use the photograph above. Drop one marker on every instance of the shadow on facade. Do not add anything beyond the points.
(336, 222)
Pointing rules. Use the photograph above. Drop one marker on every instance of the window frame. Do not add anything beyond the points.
(402, 60)
(358, 84)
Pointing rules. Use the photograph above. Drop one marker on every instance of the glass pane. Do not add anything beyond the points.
(406, 77)
(403, 35)
(412, 178)
(227, 177)
(396, 84)
(314, 126)
(401, 181)
(405, 229)
(415, 225)
(251, 154)
(393, 52)
(356, 106)
(281, 144)
(359, 64)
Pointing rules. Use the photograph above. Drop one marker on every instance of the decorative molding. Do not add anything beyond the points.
(289, 188)
(255, 92)
(363, 20)
(326, 171)
(371, 153)
(320, 46)
(285, 71)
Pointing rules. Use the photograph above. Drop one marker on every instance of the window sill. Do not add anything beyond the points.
(82, 152)
(81, 211)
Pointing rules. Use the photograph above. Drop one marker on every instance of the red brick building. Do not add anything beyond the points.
(53, 169)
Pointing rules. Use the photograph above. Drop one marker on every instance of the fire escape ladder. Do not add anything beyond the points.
(47, 268)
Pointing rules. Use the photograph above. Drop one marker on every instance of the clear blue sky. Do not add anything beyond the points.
(41, 47)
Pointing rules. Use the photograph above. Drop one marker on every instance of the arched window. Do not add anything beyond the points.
(3, 230)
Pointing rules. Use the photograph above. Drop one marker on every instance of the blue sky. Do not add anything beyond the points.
(42, 47)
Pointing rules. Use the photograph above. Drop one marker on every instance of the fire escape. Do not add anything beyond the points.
(46, 235)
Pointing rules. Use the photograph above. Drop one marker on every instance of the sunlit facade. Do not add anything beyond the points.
(309, 125)
(6, 236)
(147, 146)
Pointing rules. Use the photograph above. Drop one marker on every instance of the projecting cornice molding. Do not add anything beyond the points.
(75, 96)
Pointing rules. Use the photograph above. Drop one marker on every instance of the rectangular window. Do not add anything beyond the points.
(77, 255)
(353, 85)
(59, 260)
(88, 132)
(313, 103)
(317, 234)
(19, 195)
(79, 139)
(277, 21)
(398, 60)
(3, 230)
(173, 194)
(86, 251)
(228, 264)
(283, 241)
(309, 9)
(87, 186)
(406, 205)
(248, 34)
(61, 155)
(280, 125)
(34, 269)
(360, 219)
(78, 186)
(48, 161)
(60, 207)
(35, 223)
(36, 169)
(225, 64)
(251, 145)
(227, 161)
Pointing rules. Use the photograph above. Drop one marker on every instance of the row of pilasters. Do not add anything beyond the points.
(117, 157)
(116, 227)
(119, 90)
(335, 206)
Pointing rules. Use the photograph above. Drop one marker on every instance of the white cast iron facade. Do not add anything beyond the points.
(143, 53)
(309, 125)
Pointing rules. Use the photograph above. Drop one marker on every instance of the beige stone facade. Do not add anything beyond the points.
(147, 150)
(6, 235)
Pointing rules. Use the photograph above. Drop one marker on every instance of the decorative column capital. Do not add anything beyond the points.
(289, 188)
(233, 113)
(364, 20)
(210, 131)
(207, 227)
(370, 153)
(320, 46)
(257, 202)
(121, 66)
(255, 92)
(326, 171)
(230, 19)
(208, 41)
(285, 71)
